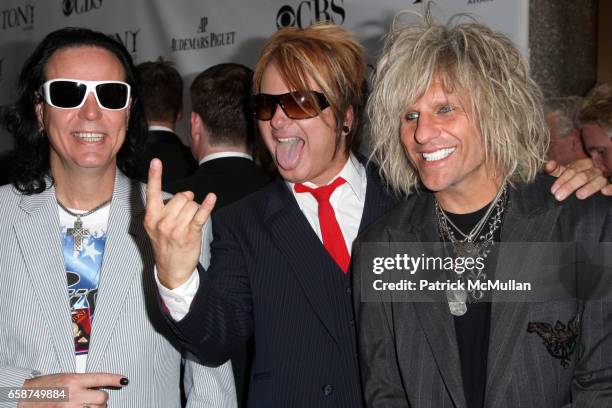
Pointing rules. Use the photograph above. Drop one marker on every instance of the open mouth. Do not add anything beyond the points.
(89, 136)
(438, 154)
(288, 150)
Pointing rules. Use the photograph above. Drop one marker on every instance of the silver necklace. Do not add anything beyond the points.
(77, 231)
(471, 245)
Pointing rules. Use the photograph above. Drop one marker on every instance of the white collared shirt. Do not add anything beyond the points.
(347, 201)
(157, 127)
(221, 155)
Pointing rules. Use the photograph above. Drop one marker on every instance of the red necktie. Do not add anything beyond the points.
(333, 240)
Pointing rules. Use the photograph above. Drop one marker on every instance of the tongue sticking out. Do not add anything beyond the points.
(288, 153)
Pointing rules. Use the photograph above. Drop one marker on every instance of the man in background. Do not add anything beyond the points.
(595, 118)
(220, 139)
(565, 143)
(221, 136)
(162, 96)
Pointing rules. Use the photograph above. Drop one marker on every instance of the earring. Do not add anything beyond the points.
(345, 129)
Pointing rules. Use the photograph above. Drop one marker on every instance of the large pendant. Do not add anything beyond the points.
(78, 233)
(457, 308)
(456, 302)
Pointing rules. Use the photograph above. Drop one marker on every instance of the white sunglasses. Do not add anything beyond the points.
(65, 93)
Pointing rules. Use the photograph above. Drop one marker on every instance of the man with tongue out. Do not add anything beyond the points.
(279, 265)
(279, 259)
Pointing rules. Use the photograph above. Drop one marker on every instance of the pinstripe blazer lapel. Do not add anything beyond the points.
(526, 220)
(419, 226)
(121, 264)
(38, 234)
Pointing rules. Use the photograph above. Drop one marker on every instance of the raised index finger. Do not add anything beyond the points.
(155, 202)
(97, 380)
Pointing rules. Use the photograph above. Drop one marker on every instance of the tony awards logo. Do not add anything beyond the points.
(128, 38)
(20, 16)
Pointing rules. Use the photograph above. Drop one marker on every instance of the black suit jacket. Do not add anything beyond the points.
(230, 178)
(408, 350)
(175, 156)
(271, 277)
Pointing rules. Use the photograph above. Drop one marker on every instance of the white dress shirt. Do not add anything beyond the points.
(347, 201)
(165, 129)
(221, 155)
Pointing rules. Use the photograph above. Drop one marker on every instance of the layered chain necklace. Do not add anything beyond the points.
(476, 243)
(77, 231)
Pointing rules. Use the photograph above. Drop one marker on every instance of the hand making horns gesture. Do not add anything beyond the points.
(175, 229)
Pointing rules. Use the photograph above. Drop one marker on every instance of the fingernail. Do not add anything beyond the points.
(560, 196)
(124, 381)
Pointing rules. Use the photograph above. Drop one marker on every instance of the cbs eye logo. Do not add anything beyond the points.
(80, 6)
(309, 11)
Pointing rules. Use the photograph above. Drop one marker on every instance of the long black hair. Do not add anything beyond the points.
(31, 153)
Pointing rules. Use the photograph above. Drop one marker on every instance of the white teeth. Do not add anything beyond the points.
(286, 139)
(438, 154)
(89, 136)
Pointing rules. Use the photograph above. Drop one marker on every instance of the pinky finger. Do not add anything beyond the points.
(201, 216)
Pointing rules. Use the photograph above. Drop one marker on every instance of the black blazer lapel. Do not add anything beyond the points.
(418, 225)
(527, 220)
(377, 200)
(316, 271)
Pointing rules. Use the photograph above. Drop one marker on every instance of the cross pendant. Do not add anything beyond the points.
(78, 233)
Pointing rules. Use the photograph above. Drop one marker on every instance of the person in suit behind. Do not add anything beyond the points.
(456, 116)
(565, 142)
(162, 96)
(595, 118)
(221, 136)
(76, 288)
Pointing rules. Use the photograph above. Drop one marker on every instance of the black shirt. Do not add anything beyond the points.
(472, 329)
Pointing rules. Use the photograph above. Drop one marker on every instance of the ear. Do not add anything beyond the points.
(179, 116)
(195, 122)
(348, 117)
(38, 107)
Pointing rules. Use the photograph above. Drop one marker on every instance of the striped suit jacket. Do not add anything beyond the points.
(408, 351)
(128, 336)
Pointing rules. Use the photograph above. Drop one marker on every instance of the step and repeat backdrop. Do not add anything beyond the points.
(196, 34)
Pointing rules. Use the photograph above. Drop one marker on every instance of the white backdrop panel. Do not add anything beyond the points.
(196, 34)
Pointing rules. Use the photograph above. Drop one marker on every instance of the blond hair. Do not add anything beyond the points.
(331, 57)
(471, 58)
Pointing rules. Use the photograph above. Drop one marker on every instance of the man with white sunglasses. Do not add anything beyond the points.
(79, 326)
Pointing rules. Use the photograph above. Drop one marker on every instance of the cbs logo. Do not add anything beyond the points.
(309, 11)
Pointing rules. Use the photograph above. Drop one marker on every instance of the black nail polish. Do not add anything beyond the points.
(124, 381)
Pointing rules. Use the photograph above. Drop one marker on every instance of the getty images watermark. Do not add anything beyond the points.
(506, 272)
